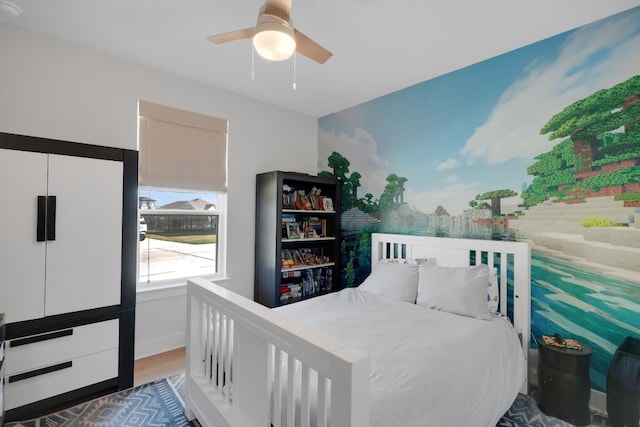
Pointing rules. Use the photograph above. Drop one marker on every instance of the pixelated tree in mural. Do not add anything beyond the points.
(393, 195)
(354, 183)
(356, 249)
(479, 205)
(553, 170)
(369, 203)
(495, 197)
(356, 258)
(340, 166)
(601, 151)
(401, 180)
(391, 198)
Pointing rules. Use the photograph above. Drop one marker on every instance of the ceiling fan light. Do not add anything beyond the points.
(274, 41)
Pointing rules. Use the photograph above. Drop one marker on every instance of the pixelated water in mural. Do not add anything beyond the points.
(552, 158)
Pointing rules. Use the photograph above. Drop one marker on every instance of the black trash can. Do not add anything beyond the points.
(623, 385)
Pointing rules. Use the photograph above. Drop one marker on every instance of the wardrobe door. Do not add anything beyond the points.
(84, 259)
(23, 177)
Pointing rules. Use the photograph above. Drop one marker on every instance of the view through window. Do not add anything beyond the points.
(178, 235)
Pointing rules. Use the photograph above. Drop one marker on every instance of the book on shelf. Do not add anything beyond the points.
(312, 282)
(288, 197)
(298, 257)
(301, 200)
(303, 257)
(287, 259)
(295, 290)
(284, 293)
(309, 285)
(291, 274)
(290, 291)
(288, 217)
(313, 226)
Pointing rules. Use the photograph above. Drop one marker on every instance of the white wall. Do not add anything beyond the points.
(158, 333)
(53, 89)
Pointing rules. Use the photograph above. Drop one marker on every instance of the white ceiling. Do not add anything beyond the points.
(378, 46)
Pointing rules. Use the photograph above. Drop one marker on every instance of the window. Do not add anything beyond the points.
(182, 195)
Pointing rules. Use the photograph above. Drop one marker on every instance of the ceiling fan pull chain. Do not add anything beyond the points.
(294, 71)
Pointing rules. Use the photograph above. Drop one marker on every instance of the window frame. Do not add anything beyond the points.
(198, 135)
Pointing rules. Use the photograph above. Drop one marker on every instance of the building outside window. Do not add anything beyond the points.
(181, 238)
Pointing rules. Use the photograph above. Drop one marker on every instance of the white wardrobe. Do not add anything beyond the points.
(68, 257)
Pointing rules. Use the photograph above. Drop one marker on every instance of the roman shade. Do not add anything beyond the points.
(181, 150)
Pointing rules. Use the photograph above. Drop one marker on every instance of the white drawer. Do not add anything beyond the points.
(83, 371)
(63, 345)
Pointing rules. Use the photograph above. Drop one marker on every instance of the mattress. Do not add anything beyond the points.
(428, 367)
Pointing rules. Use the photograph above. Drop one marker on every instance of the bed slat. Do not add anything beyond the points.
(322, 401)
(219, 353)
(291, 404)
(305, 405)
(277, 388)
(504, 263)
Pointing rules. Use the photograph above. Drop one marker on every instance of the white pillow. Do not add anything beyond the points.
(459, 290)
(393, 280)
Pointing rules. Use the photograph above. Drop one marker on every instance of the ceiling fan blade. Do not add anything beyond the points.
(245, 33)
(311, 49)
(279, 8)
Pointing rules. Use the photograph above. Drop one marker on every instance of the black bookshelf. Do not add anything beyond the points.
(297, 251)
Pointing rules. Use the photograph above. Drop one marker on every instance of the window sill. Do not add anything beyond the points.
(145, 293)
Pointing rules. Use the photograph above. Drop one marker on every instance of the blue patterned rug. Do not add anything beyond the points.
(160, 403)
(525, 413)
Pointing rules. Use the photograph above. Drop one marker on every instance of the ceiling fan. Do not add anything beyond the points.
(274, 37)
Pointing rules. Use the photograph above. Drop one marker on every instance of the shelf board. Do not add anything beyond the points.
(308, 239)
(319, 211)
(291, 300)
(306, 267)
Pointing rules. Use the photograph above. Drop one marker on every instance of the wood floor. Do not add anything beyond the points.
(159, 366)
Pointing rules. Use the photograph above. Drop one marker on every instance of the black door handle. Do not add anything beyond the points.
(51, 218)
(46, 219)
(41, 219)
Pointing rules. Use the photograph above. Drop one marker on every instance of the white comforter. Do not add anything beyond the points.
(428, 367)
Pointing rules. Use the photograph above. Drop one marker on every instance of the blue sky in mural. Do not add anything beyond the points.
(452, 128)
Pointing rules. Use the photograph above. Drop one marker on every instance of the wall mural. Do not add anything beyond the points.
(540, 144)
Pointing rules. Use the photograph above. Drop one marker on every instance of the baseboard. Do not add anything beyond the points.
(598, 402)
(160, 345)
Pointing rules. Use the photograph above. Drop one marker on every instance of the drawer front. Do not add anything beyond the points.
(1, 395)
(23, 388)
(36, 351)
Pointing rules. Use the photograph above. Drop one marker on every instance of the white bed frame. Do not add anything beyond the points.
(230, 335)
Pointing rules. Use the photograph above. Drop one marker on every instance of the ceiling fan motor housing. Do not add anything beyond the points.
(274, 38)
